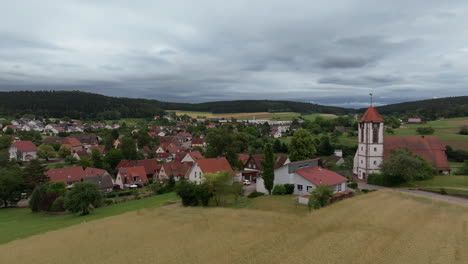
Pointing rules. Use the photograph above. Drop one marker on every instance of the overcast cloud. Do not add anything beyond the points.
(328, 52)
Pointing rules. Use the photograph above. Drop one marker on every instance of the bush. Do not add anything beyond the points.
(187, 192)
(255, 194)
(203, 193)
(313, 204)
(365, 190)
(353, 185)
(289, 188)
(57, 187)
(83, 197)
(124, 193)
(425, 130)
(36, 196)
(464, 130)
(279, 189)
(376, 179)
(110, 195)
(443, 191)
(108, 201)
(46, 201)
(58, 205)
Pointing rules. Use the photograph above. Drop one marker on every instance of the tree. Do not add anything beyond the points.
(237, 190)
(268, 168)
(64, 152)
(57, 187)
(187, 192)
(97, 159)
(277, 147)
(320, 197)
(425, 130)
(223, 142)
(324, 148)
(70, 159)
(113, 157)
(10, 185)
(302, 146)
(109, 142)
(128, 148)
(84, 162)
(5, 142)
(34, 174)
(5, 158)
(219, 185)
(464, 169)
(46, 151)
(404, 166)
(83, 198)
(463, 130)
(36, 196)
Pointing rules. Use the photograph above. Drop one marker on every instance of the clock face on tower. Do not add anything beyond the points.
(375, 125)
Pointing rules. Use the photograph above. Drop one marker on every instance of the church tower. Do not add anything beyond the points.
(369, 155)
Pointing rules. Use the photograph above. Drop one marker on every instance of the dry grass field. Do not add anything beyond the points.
(380, 227)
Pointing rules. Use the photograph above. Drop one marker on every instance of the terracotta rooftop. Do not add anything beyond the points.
(24, 146)
(214, 165)
(429, 148)
(321, 176)
(371, 115)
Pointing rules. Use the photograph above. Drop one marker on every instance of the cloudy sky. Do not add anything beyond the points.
(328, 52)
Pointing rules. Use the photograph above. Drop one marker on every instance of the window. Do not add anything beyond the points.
(309, 188)
(361, 161)
(375, 162)
(375, 133)
(375, 149)
(338, 187)
(299, 187)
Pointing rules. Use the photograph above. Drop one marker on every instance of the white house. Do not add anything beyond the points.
(203, 166)
(192, 156)
(305, 175)
(23, 150)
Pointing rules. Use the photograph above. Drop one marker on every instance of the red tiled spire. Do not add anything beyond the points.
(371, 115)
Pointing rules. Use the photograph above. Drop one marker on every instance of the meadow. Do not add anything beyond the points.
(379, 227)
(279, 116)
(446, 129)
(17, 223)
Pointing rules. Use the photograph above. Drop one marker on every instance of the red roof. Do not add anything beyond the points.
(321, 176)
(198, 141)
(150, 165)
(243, 157)
(429, 148)
(176, 168)
(94, 171)
(138, 171)
(196, 155)
(72, 142)
(371, 115)
(70, 174)
(214, 165)
(24, 146)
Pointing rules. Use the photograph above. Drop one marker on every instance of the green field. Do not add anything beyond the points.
(17, 223)
(280, 116)
(442, 181)
(446, 129)
(381, 227)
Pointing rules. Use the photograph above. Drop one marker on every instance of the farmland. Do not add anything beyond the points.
(446, 129)
(280, 116)
(380, 227)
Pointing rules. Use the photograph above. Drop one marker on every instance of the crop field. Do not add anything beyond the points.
(280, 116)
(380, 227)
(446, 129)
(460, 182)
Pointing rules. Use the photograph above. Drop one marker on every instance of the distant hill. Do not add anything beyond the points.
(428, 109)
(76, 104)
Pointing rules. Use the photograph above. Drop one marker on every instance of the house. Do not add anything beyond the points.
(81, 154)
(336, 158)
(184, 136)
(128, 176)
(87, 140)
(23, 150)
(254, 165)
(374, 148)
(415, 120)
(177, 169)
(275, 133)
(71, 175)
(151, 166)
(15, 128)
(192, 156)
(72, 144)
(203, 166)
(243, 158)
(198, 142)
(117, 143)
(306, 175)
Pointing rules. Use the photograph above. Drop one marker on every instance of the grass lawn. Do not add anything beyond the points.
(380, 227)
(446, 129)
(275, 203)
(442, 181)
(16, 223)
(312, 117)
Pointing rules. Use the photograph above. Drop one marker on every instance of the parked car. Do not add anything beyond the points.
(246, 182)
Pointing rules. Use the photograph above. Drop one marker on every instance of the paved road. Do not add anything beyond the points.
(416, 192)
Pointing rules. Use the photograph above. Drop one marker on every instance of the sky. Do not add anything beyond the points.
(327, 52)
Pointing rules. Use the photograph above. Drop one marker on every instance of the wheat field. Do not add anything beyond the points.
(380, 227)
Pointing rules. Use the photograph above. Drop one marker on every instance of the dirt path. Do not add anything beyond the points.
(431, 195)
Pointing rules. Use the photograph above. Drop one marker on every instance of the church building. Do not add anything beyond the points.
(374, 148)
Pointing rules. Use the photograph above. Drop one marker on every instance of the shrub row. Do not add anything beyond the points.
(282, 189)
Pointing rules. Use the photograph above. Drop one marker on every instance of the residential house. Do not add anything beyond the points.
(75, 174)
(23, 150)
(87, 140)
(177, 169)
(336, 158)
(414, 120)
(152, 167)
(306, 175)
(73, 144)
(275, 133)
(192, 156)
(254, 166)
(203, 166)
(128, 176)
(198, 142)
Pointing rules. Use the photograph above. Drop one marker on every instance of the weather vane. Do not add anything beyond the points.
(371, 96)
